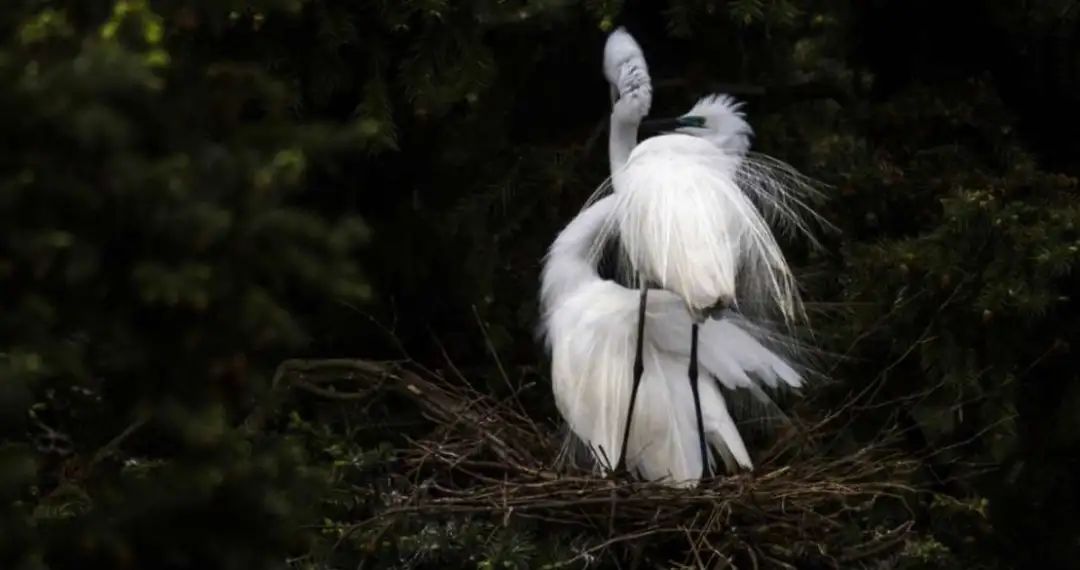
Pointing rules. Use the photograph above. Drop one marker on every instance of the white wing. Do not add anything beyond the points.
(725, 349)
(592, 333)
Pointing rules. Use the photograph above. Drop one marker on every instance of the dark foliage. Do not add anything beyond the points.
(193, 191)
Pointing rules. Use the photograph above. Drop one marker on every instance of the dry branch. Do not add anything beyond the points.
(485, 458)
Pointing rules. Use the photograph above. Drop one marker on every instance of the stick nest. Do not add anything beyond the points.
(801, 508)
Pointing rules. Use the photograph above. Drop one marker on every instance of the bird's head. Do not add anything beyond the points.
(621, 54)
(628, 76)
(716, 118)
(668, 125)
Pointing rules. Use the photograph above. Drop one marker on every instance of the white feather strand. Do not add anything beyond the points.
(687, 225)
(591, 326)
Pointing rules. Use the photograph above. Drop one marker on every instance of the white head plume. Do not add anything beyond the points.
(725, 123)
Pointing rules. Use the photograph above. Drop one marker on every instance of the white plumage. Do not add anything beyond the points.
(631, 93)
(724, 125)
(694, 206)
(624, 63)
(590, 327)
(691, 211)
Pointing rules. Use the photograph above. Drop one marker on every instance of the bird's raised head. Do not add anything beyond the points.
(628, 75)
(621, 49)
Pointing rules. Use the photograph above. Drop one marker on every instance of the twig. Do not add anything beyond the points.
(486, 459)
(115, 443)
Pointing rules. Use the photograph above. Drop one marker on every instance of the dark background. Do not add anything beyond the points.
(193, 191)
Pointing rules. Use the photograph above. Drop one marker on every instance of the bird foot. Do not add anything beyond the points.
(619, 473)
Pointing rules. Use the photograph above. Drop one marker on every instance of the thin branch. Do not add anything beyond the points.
(114, 444)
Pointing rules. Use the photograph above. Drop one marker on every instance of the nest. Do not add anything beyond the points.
(800, 508)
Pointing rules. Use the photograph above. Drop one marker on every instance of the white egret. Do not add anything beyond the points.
(683, 210)
(694, 204)
(598, 343)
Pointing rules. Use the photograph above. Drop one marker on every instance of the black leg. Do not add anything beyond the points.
(639, 369)
(697, 401)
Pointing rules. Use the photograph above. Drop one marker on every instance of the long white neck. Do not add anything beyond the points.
(571, 262)
(628, 75)
(621, 141)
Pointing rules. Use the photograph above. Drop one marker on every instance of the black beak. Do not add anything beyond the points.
(662, 125)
